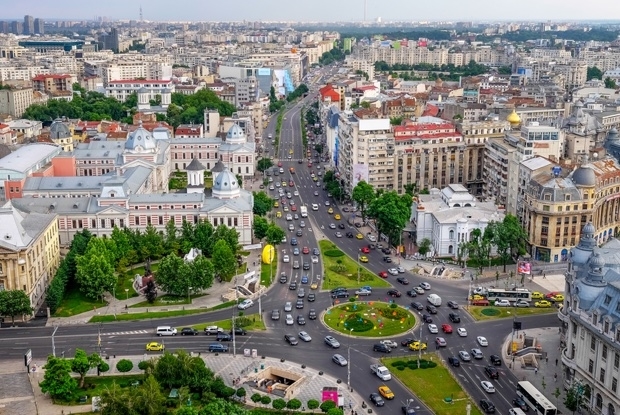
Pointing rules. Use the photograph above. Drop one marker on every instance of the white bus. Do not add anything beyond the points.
(535, 399)
(494, 294)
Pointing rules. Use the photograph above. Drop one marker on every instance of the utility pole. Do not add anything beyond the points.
(233, 320)
(349, 361)
(420, 345)
(53, 343)
(358, 267)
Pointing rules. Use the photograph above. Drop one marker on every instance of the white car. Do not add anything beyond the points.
(315, 259)
(482, 341)
(289, 320)
(393, 271)
(462, 331)
(289, 217)
(315, 206)
(433, 328)
(389, 343)
(327, 203)
(286, 259)
(302, 224)
(502, 303)
(288, 306)
(372, 238)
(304, 336)
(332, 226)
(296, 193)
(245, 304)
(401, 270)
(291, 227)
(487, 386)
(363, 292)
(425, 285)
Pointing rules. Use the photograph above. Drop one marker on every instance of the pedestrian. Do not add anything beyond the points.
(536, 371)
(547, 359)
(556, 362)
(544, 276)
(555, 377)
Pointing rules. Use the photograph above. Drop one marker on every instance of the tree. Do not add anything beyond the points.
(574, 397)
(256, 397)
(14, 303)
(335, 411)
(424, 247)
(201, 273)
(229, 235)
(150, 292)
(124, 365)
(278, 404)
(312, 404)
(221, 406)
(594, 73)
(479, 247)
(172, 275)
(264, 164)
(241, 392)
(57, 380)
(275, 234)
(152, 243)
(114, 401)
(391, 212)
(171, 237)
(261, 226)
(610, 83)
(363, 194)
(294, 404)
(148, 399)
(265, 400)
(95, 273)
(327, 405)
(82, 363)
(224, 261)
(262, 203)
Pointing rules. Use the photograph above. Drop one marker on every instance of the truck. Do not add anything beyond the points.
(434, 299)
(382, 372)
(303, 211)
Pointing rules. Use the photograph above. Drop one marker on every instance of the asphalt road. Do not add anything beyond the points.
(131, 337)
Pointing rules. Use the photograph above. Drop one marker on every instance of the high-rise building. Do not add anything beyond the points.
(17, 28)
(39, 26)
(28, 25)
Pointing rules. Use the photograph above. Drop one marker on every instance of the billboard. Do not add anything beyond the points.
(360, 172)
(264, 72)
(524, 268)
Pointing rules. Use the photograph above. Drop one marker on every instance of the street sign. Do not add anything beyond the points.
(28, 357)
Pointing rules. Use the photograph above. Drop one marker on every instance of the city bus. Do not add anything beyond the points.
(535, 399)
(494, 294)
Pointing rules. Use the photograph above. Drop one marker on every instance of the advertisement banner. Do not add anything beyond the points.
(360, 172)
(524, 268)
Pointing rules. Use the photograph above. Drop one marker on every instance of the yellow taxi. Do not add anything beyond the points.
(417, 345)
(337, 216)
(154, 347)
(386, 392)
(542, 304)
(537, 295)
(314, 285)
(285, 208)
(284, 183)
(476, 297)
(276, 204)
(363, 258)
(316, 179)
(330, 211)
(359, 236)
(290, 151)
(558, 298)
(278, 214)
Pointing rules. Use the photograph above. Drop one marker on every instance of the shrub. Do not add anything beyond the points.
(256, 397)
(265, 400)
(124, 365)
(241, 392)
(103, 367)
(242, 322)
(399, 363)
(312, 404)
(327, 405)
(278, 404)
(393, 305)
(358, 323)
(293, 404)
(333, 253)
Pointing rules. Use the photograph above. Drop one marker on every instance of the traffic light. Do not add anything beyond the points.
(516, 325)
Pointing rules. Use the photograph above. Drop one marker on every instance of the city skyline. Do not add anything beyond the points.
(321, 11)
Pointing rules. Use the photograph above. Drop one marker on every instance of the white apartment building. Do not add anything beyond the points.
(122, 89)
(24, 73)
(15, 101)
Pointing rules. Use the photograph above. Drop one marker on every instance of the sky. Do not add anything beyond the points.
(314, 10)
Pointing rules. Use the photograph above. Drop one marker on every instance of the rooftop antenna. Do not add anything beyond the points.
(141, 13)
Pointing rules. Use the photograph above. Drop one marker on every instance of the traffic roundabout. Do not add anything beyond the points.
(370, 319)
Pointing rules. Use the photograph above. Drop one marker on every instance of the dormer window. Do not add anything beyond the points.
(594, 319)
(607, 299)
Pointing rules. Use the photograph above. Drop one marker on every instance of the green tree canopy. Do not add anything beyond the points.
(224, 261)
(391, 212)
(82, 363)
(57, 380)
(95, 273)
(594, 73)
(262, 203)
(264, 164)
(14, 303)
(363, 195)
(261, 226)
(275, 234)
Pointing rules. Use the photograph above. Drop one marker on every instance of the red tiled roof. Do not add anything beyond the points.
(431, 110)
(365, 88)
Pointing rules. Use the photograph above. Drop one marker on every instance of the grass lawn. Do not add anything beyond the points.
(94, 385)
(266, 271)
(75, 302)
(424, 383)
(372, 319)
(341, 271)
(146, 316)
(166, 300)
(256, 323)
(490, 313)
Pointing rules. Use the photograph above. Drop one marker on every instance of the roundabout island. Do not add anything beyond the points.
(372, 319)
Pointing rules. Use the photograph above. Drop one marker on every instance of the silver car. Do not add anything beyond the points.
(304, 336)
(288, 306)
(289, 320)
(339, 360)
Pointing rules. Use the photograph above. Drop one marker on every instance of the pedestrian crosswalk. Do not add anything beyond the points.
(118, 333)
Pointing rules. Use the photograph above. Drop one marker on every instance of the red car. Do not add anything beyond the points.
(446, 328)
(383, 274)
(309, 164)
(365, 250)
(306, 250)
(279, 164)
(293, 208)
(291, 183)
(552, 294)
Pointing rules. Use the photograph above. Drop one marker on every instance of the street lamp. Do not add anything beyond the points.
(53, 343)
(349, 360)
(189, 301)
(420, 345)
(126, 293)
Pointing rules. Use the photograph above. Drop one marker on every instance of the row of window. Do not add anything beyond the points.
(148, 220)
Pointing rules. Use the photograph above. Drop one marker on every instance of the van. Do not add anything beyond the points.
(516, 411)
(434, 299)
(166, 331)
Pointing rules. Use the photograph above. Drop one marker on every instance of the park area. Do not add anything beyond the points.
(342, 271)
(372, 319)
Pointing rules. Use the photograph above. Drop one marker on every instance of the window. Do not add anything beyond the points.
(606, 326)
(604, 352)
(614, 384)
(599, 401)
(591, 366)
(592, 342)
(616, 360)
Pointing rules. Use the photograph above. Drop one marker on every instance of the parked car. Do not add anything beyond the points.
(188, 331)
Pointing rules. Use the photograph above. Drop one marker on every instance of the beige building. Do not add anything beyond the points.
(14, 101)
(29, 252)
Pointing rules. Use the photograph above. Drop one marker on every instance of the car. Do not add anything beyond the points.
(446, 328)
(276, 204)
(558, 298)
(383, 274)
(487, 406)
(332, 342)
(454, 361)
(427, 319)
(154, 347)
(335, 290)
(371, 237)
(407, 410)
(294, 241)
(389, 343)
(362, 292)
(522, 303)
(275, 315)
(218, 348)
(295, 250)
(419, 290)
(453, 305)
(247, 303)
(482, 341)
(366, 287)
(359, 236)
(330, 211)
(338, 235)
(315, 284)
(304, 279)
(462, 331)
(296, 193)
(349, 234)
(238, 331)
(491, 372)
(520, 403)
(425, 285)
(417, 306)
(417, 345)
(304, 336)
(288, 306)
(283, 278)
(305, 250)
(433, 328)
(295, 264)
(341, 226)
(332, 226)
(454, 317)
(386, 392)
(213, 330)
(299, 232)
(278, 214)
(411, 293)
(394, 293)
(502, 303)
(316, 193)
(286, 259)
(293, 209)
(292, 286)
(291, 183)
(340, 294)
(315, 251)
(487, 386)
(312, 314)
(400, 269)
(290, 339)
(477, 353)
(365, 250)
(339, 360)
(189, 331)
(314, 259)
(543, 304)
(301, 320)
(495, 360)
(337, 216)
(223, 337)
(389, 261)
(289, 320)
(327, 203)
(363, 258)
(431, 309)
(465, 357)
(440, 342)
(305, 266)
(537, 295)
(299, 304)
(311, 297)
(380, 347)
(376, 399)
(403, 280)
(407, 341)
